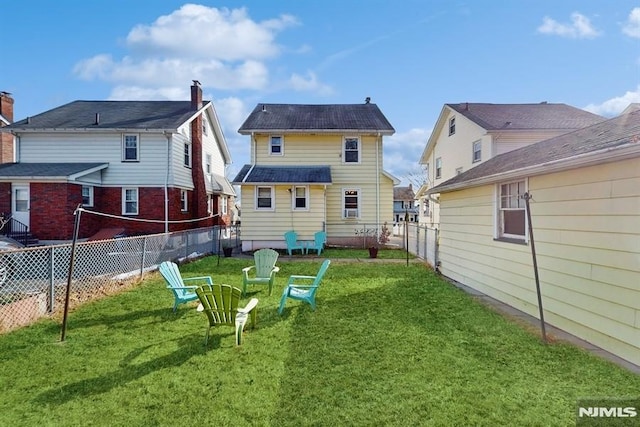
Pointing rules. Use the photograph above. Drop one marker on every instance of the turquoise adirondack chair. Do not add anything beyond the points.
(298, 291)
(181, 292)
(319, 240)
(291, 237)
(265, 270)
(220, 304)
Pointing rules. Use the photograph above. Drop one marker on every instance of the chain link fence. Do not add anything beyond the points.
(33, 281)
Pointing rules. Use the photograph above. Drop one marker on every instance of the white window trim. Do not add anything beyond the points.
(273, 198)
(452, 124)
(281, 153)
(189, 153)
(209, 204)
(497, 232)
(184, 200)
(344, 152)
(91, 201)
(306, 197)
(208, 163)
(438, 169)
(205, 126)
(124, 200)
(124, 148)
(358, 210)
(224, 200)
(477, 143)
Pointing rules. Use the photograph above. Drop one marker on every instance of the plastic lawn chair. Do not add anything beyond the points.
(291, 237)
(265, 270)
(296, 290)
(319, 240)
(181, 292)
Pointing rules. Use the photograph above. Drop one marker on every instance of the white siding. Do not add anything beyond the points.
(586, 228)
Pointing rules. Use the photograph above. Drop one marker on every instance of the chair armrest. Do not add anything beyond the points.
(276, 269)
(250, 306)
(302, 286)
(247, 269)
(202, 278)
(302, 277)
(182, 287)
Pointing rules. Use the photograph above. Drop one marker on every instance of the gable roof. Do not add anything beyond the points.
(49, 171)
(289, 118)
(110, 115)
(255, 174)
(526, 116)
(403, 193)
(605, 141)
(514, 117)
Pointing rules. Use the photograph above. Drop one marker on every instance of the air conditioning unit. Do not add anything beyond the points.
(351, 213)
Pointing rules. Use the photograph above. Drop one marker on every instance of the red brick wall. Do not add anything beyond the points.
(6, 139)
(52, 206)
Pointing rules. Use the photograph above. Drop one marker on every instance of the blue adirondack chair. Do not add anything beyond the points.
(265, 270)
(181, 292)
(291, 237)
(298, 291)
(220, 304)
(319, 240)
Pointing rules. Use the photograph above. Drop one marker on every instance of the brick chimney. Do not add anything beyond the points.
(199, 202)
(6, 139)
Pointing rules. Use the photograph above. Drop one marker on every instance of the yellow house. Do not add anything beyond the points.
(584, 190)
(468, 134)
(314, 168)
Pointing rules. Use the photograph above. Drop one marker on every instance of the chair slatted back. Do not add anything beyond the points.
(171, 274)
(220, 303)
(265, 260)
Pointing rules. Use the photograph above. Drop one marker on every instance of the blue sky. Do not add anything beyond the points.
(409, 56)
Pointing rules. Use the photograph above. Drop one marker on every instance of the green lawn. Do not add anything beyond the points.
(389, 345)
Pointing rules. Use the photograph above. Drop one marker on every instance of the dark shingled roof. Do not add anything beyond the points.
(16, 170)
(159, 115)
(336, 117)
(403, 193)
(526, 116)
(284, 174)
(608, 134)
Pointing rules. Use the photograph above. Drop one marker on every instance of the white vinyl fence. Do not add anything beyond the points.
(33, 281)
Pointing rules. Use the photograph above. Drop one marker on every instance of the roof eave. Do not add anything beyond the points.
(307, 131)
(605, 155)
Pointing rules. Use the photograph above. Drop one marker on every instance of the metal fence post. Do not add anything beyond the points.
(143, 256)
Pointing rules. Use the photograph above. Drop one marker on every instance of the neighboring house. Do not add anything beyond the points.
(149, 160)
(6, 118)
(468, 134)
(313, 168)
(585, 216)
(404, 202)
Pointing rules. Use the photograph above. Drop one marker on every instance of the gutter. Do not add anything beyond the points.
(592, 158)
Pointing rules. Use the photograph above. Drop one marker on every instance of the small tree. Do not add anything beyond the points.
(383, 236)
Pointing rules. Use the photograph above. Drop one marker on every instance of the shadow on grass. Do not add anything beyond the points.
(129, 371)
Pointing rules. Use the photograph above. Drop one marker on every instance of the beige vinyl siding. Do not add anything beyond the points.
(587, 232)
(270, 225)
(504, 141)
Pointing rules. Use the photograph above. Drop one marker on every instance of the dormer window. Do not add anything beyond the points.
(452, 126)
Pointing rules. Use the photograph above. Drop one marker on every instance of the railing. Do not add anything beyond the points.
(14, 229)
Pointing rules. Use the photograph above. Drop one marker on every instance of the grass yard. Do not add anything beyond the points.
(389, 345)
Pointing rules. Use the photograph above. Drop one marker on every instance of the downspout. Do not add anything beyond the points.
(166, 183)
(378, 144)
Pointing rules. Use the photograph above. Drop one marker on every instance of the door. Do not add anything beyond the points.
(20, 203)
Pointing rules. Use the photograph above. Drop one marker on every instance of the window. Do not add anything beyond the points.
(184, 206)
(225, 204)
(209, 204)
(205, 126)
(87, 195)
(264, 198)
(207, 163)
(300, 198)
(187, 154)
(477, 151)
(512, 210)
(130, 201)
(275, 146)
(439, 167)
(425, 207)
(130, 149)
(351, 203)
(452, 126)
(351, 150)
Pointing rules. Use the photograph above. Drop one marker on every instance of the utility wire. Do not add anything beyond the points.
(158, 221)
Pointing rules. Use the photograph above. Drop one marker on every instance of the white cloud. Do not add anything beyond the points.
(402, 152)
(614, 106)
(579, 28)
(632, 26)
(203, 32)
(222, 48)
(309, 83)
